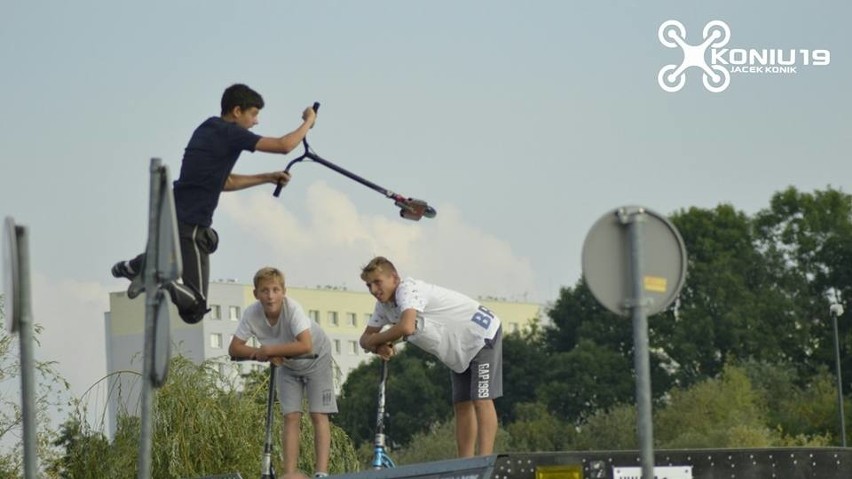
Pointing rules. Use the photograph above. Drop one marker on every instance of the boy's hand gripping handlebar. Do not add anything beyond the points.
(409, 208)
(280, 185)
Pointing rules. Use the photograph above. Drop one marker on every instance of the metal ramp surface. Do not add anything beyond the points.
(778, 463)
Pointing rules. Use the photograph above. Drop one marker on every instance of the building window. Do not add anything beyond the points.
(353, 347)
(352, 319)
(234, 313)
(337, 346)
(514, 327)
(314, 315)
(215, 311)
(367, 317)
(332, 318)
(216, 340)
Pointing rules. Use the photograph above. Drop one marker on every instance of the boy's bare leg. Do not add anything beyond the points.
(322, 440)
(465, 428)
(486, 418)
(290, 438)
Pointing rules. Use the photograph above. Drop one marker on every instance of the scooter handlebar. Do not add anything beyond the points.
(280, 185)
(303, 356)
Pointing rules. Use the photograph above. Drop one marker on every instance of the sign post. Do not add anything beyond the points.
(634, 263)
(16, 259)
(162, 265)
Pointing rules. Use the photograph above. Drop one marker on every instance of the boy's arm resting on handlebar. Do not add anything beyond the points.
(373, 337)
(239, 349)
(302, 347)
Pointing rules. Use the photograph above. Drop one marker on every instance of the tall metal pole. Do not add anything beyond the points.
(634, 220)
(837, 310)
(28, 408)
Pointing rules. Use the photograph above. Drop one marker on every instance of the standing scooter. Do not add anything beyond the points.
(381, 460)
(267, 470)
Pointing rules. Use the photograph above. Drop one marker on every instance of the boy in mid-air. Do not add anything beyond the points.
(205, 173)
(284, 331)
(459, 331)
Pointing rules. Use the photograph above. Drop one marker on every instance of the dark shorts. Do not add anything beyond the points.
(484, 378)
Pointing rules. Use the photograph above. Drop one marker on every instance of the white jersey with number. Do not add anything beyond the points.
(291, 322)
(450, 325)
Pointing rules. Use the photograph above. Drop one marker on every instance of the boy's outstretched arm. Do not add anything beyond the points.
(290, 141)
(373, 337)
(240, 182)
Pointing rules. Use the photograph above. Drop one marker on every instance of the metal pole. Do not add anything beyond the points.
(151, 303)
(641, 359)
(27, 363)
(837, 310)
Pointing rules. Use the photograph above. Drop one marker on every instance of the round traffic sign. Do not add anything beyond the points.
(607, 266)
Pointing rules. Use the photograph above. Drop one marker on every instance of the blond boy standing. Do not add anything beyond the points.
(280, 325)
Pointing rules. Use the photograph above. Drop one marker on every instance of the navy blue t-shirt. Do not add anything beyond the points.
(207, 161)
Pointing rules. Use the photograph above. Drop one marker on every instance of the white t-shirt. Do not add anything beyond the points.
(450, 325)
(291, 323)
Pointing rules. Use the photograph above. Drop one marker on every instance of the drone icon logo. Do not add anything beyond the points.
(672, 34)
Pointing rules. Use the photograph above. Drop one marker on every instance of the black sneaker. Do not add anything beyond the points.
(123, 270)
(193, 316)
(190, 303)
(137, 285)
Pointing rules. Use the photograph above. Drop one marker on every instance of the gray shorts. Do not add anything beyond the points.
(319, 384)
(484, 378)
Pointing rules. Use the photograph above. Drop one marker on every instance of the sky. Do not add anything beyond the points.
(522, 123)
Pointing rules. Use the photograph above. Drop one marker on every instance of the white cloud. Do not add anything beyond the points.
(331, 244)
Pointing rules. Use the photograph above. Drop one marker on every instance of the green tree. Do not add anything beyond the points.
(809, 237)
(730, 306)
(610, 429)
(590, 357)
(587, 378)
(757, 289)
(810, 410)
(722, 412)
(87, 451)
(577, 315)
(535, 429)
